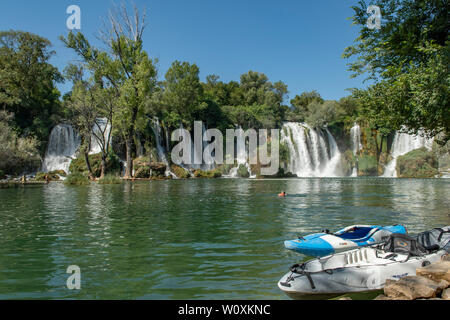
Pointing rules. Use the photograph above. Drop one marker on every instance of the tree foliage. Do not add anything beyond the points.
(408, 58)
(27, 82)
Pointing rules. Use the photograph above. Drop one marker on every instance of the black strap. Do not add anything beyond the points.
(295, 269)
(389, 256)
(441, 234)
(407, 257)
(311, 282)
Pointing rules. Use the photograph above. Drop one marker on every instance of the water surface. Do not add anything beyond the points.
(189, 239)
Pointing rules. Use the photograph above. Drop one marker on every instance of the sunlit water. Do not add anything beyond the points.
(189, 239)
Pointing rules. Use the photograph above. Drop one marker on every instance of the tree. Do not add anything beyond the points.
(27, 82)
(183, 93)
(301, 102)
(321, 114)
(406, 27)
(126, 69)
(82, 111)
(17, 154)
(408, 58)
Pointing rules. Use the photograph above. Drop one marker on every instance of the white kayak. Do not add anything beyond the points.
(366, 269)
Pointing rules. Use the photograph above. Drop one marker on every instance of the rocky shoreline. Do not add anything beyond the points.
(431, 282)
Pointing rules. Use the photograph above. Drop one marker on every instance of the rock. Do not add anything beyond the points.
(345, 298)
(446, 294)
(436, 271)
(413, 287)
(381, 297)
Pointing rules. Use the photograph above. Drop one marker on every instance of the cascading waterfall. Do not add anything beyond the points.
(157, 130)
(62, 147)
(355, 133)
(160, 149)
(241, 159)
(313, 152)
(402, 144)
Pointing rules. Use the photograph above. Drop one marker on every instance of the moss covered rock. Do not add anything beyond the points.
(207, 174)
(143, 169)
(78, 165)
(419, 163)
(50, 176)
(367, 165)
(242, 171)
(180, 172)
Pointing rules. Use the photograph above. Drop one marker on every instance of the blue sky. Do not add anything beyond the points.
(299, 42)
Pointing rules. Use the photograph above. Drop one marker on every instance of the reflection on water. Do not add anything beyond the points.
(189, 239)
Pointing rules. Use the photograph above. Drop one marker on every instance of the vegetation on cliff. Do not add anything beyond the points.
(419, 163)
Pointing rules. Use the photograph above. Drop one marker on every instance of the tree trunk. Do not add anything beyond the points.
(103, 167)
(88, 165)
(129, 159)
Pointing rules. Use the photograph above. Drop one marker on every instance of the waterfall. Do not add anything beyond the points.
(102, 128)
(157, 130)
(160, 149)
(355, 133)
(62, 147)
(402, 144)
(241, 159)
(313, 152)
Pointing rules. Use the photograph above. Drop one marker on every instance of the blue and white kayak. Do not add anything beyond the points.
(322, 244)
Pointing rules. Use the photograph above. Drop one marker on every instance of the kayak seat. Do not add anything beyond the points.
(358, 234)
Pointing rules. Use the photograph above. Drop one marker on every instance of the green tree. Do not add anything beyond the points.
(301, 102)
(320, 114)
(125, 68)
(27, 82)
(82, 113)
(17, 154)
(408, 58)
(183, 93)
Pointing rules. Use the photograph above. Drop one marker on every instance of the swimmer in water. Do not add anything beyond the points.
(283, 194)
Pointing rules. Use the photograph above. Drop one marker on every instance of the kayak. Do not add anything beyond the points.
(366, 269)
(325, 243)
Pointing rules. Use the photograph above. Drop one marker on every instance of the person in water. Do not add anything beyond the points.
(282, 194)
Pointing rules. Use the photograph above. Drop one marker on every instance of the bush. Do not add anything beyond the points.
(41, 176)
(78, 165)
(62, 173)
(207, 174)
(78, 179)
(243, 171)
(224, 168)
(110, 179)
(367, 165)
(419, 163)
(142, 168)
(17, 154)
(2, 175)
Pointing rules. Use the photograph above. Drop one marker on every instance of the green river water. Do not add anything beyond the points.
(189, 239)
